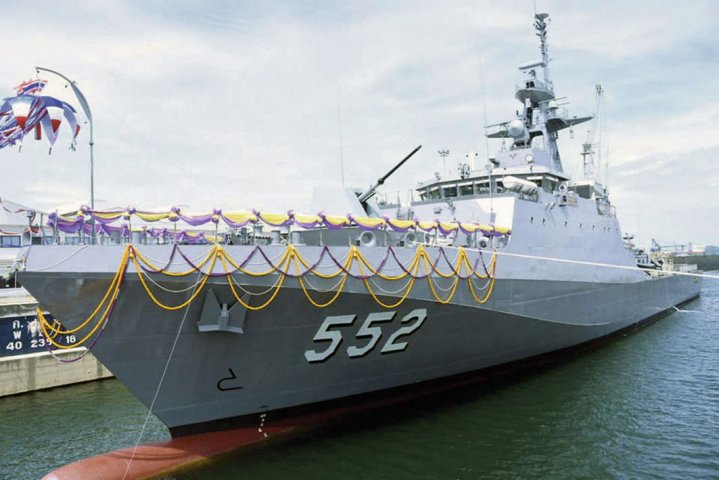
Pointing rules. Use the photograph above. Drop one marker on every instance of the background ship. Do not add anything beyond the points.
(511, 262)
(703, 257)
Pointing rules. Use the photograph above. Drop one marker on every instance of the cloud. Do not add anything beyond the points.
(241, 105)
(669, 196)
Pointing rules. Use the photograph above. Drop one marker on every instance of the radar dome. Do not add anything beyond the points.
(516, 128)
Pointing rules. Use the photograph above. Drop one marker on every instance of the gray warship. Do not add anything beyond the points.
(514, 261)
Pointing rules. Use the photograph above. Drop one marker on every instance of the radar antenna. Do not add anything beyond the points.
(541, 22)
(591, 150)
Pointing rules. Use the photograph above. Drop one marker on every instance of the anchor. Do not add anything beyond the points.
(217, 317)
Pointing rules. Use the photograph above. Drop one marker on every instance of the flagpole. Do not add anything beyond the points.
(88, 114)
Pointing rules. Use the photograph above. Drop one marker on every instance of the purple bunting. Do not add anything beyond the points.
(106, 218)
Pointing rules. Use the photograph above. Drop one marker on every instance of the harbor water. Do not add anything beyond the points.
(644, 406)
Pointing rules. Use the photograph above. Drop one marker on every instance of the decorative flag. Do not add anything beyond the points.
(26, 112)
(8, 126)
(31, 87)
(55, 111)
(21, 107)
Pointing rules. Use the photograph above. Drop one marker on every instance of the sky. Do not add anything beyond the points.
(252, 104)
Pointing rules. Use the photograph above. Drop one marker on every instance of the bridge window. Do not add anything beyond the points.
(482, 187)
(549, 185)
(466, 189)
(434, 193)
(450, 191)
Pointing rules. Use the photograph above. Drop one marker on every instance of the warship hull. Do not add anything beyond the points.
(291, 354)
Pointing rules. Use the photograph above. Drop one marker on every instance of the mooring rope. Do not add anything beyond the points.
(159, 384)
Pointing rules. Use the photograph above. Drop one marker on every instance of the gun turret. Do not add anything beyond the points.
(366, 195)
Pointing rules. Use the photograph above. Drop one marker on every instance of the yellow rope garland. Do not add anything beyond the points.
(427, 267)
(472, 271)
(197, 291)
(484, 300)
(340, 287)
(291, 257)
(314, 271)
(410, 285)
(113, 287)
(379, 274)
(175, 274)
(239, 298)
(435, 265)
(272, 269)
(103, 318)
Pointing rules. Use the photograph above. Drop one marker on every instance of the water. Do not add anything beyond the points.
(646, 406)
(44, 430)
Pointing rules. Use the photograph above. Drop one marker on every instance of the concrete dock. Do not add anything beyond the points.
(37, 371)
(26, 364)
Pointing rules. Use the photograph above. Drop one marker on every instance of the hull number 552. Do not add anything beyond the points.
(330, 331)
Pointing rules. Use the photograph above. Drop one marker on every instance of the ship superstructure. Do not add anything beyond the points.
(303, 312)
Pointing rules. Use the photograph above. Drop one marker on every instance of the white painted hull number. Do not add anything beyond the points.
(370, 330)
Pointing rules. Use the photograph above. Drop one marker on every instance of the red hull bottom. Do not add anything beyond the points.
(157, 458)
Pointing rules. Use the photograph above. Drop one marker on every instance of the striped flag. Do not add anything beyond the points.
(31, 87)
(24, 113)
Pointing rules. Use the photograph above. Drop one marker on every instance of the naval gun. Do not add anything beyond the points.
(369, 193)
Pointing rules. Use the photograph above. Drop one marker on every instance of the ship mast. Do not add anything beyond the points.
(540, 24)
(536, 127)
(590, 148)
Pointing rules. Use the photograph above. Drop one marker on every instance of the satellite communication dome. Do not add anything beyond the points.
(516, 128)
